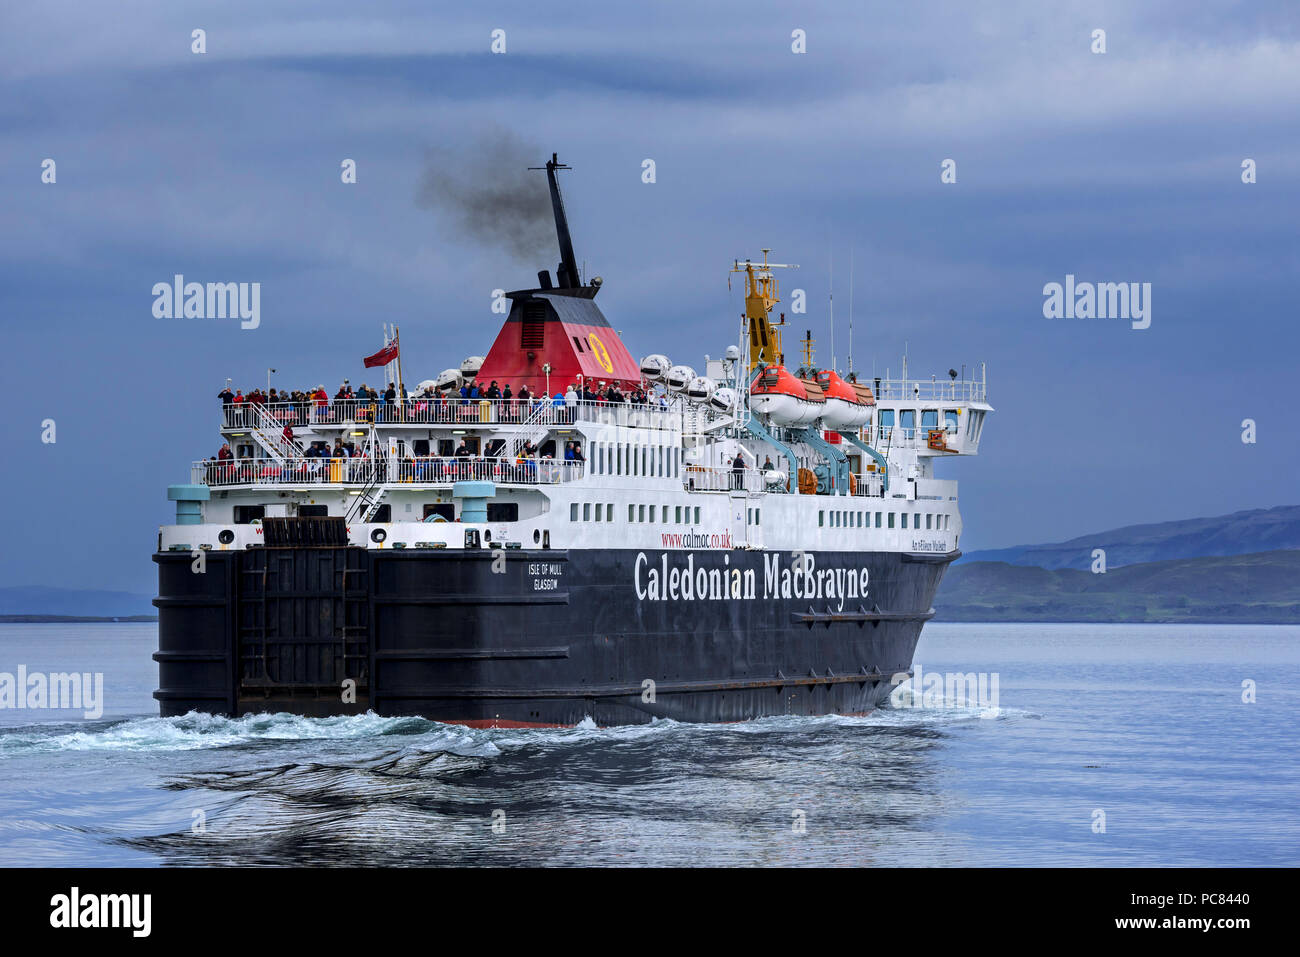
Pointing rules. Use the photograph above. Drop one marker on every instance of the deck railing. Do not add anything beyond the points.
(362, 471)
(453, 412)
(704, 478)
(930, 389)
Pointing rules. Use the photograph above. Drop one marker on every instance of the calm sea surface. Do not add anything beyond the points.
(1144, 724)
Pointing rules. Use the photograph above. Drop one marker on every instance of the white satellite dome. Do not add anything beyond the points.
(426, 384)
(679, 377)
(469, 368)
(700, 388)
(655, 367)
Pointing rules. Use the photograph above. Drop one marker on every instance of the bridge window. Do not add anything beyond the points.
(907, 420)
(885, 419)
(930, 419)
(951, 417)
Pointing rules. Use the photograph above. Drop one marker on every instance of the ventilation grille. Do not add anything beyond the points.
(533, 333)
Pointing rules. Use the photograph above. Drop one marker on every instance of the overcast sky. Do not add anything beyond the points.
(225, 166)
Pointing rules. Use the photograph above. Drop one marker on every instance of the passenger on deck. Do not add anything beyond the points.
(738, 472)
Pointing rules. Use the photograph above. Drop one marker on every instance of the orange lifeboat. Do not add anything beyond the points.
(848, 405)
(786, 400)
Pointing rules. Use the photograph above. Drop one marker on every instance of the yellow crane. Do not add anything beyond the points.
(762, 293)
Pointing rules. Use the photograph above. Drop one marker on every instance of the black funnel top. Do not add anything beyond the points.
(567, 273)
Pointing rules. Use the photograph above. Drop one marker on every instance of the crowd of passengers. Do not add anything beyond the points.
(301, 406)
(496, 458)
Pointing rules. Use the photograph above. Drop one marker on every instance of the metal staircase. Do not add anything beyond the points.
(371, 497)
(534, 428)
(269, 433)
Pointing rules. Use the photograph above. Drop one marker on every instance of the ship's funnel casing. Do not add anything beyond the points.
(568, 333)
(561, 328)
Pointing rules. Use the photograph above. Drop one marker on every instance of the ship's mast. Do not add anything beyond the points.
(566, 275)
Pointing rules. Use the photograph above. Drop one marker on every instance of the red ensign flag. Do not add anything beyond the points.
(384, 356)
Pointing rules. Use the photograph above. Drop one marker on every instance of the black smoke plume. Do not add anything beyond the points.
(487, 190)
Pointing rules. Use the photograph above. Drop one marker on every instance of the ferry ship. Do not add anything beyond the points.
(741, 541)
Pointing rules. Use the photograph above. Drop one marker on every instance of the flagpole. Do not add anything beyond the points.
(401, 386)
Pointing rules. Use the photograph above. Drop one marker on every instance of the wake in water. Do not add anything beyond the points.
(195, 730)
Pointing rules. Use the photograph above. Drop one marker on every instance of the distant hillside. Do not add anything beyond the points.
(70, 602)
(1241, 533)
(1258, 588)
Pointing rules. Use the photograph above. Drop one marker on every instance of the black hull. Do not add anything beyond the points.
(542, 638)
